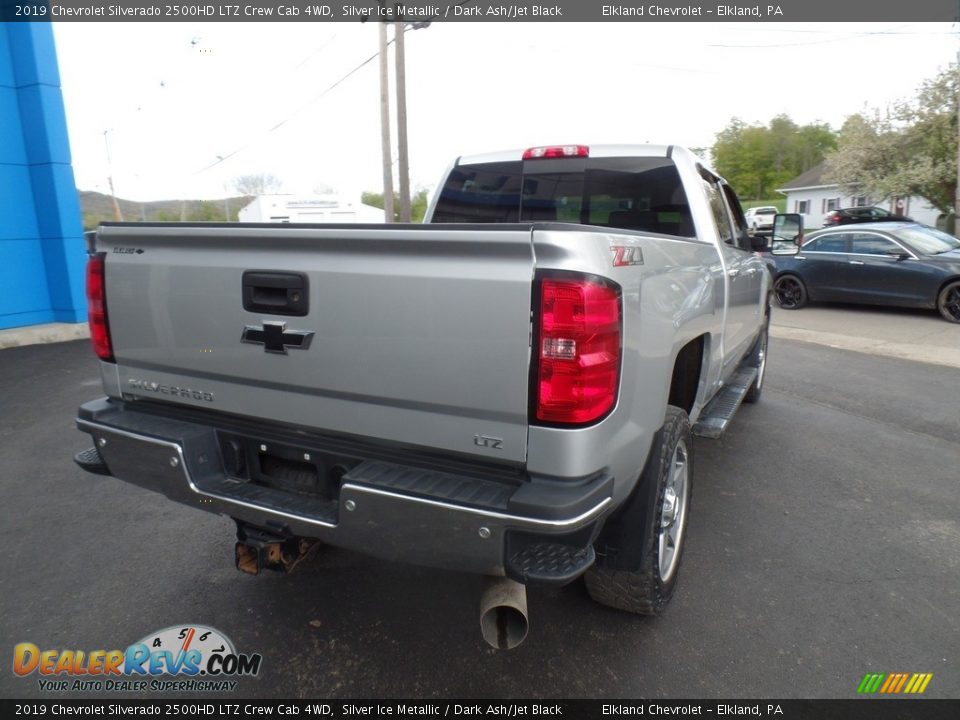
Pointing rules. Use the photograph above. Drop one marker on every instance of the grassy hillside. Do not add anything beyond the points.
(780, 203)
(97, 207)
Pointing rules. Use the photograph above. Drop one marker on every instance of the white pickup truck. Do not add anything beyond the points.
(510, 389)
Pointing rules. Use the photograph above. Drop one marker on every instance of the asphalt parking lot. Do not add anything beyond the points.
(824, 544)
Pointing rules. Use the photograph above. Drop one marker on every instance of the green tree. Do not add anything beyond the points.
(418, 204)
(757, 159)
(207, 211)
(92, 219)
(909, 150)
(164, 215)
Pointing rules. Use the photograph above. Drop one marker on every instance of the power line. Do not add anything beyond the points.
(223, 158)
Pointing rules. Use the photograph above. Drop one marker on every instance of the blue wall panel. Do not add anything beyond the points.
(12, 150)
(24, 293)
(16, 203)
(45, 138)
(42, 253)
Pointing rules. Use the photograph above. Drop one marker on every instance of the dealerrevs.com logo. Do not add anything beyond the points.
(200, 658)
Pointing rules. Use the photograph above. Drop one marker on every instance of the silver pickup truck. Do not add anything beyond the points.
(509, 389)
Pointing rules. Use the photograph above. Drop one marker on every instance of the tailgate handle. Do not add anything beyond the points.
(275, 293)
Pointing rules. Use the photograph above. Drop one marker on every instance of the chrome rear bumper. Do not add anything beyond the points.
(398, 512)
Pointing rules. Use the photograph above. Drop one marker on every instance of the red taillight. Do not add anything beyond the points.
(579, 350)
(97, 308)
(556, 151)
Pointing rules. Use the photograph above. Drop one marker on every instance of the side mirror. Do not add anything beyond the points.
(898, 256)
(787, 234)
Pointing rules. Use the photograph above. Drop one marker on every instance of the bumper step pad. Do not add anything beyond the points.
(91, 461)
(549, 563)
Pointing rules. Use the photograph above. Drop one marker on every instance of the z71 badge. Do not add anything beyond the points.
(624, 255)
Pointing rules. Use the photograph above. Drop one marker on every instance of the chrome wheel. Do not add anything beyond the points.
(673, 512)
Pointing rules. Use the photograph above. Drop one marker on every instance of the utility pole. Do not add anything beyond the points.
(385, 125)
(117, 215)
(956, 193)
(404, 166)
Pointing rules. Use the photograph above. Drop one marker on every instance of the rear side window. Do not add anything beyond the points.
(739, 221)
(827, 243)
(869, 244)
(630, 193)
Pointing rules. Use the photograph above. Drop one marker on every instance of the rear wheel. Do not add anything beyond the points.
(647, 589)
(790, 292)
(948, 302)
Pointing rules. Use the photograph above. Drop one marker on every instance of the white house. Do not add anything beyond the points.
(812, 197)
(308, 209)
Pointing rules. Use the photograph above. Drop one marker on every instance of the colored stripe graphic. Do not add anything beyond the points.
(903, 679)
(870, 683)
(891, 680)
(894, 683)
(862, 688)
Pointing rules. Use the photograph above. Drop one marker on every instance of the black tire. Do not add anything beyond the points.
(758, 358)
(647, 589)
(790, 292)
(948, 302)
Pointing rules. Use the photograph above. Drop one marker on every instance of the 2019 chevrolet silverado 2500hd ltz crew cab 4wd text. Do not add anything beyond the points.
(509, 389)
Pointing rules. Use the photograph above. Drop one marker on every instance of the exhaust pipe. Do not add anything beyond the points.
(503, 613)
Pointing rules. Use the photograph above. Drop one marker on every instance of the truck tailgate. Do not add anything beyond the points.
(420, 334)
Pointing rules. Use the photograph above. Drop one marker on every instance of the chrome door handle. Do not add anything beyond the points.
(856, 262)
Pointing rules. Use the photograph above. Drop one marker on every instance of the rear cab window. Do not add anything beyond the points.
(634, 193)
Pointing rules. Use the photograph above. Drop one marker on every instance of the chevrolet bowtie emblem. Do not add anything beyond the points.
(275, 338)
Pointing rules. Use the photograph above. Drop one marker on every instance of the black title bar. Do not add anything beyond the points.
(192, 707)
(479, 11)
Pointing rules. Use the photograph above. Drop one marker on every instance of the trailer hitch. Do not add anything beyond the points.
(257, 549)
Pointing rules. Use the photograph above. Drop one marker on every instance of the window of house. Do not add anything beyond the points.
(803, 206)
(832, 204)
(859, 201)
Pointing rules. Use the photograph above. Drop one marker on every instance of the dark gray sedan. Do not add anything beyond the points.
(887, 263)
